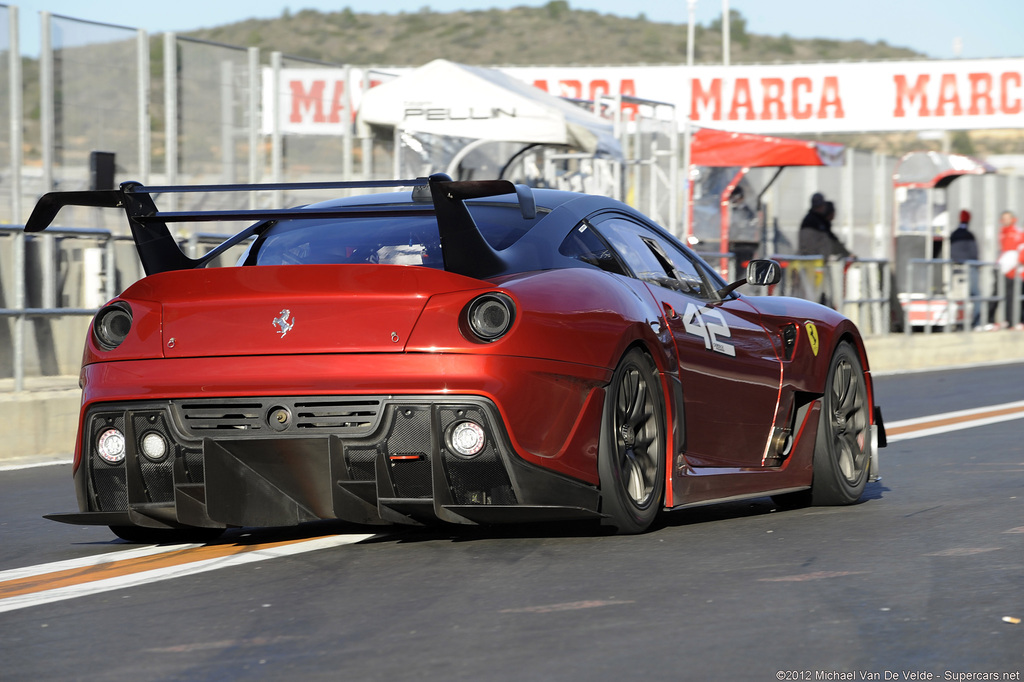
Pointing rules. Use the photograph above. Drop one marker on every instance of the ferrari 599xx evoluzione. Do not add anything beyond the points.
(466, 352)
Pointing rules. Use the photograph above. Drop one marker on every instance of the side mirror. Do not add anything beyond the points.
(760, 273)
(763, 272)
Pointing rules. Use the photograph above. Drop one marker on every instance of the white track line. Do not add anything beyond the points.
(34, 465)
(89, 561)
(156, 575)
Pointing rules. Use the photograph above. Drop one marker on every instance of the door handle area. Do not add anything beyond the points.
(670, 312)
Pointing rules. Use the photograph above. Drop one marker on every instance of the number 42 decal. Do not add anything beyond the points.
(710, 325)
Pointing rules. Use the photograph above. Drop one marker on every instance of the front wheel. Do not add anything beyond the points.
(842, 448)
(631, 460)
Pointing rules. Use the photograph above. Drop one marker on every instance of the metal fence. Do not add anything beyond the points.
(203, 117)
(93, 84)
(175, 110)
(969, 295)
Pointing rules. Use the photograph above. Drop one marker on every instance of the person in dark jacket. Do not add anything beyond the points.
(816, 237)
(963, 247)
(962, 244)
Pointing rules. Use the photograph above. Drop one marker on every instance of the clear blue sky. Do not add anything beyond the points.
(987, 28)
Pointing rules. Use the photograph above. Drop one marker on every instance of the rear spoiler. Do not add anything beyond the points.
(463, 247)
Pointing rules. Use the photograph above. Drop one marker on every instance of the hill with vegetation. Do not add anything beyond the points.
(551, 34)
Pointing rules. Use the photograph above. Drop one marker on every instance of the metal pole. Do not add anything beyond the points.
(847, 196)
(171, 115)
(46, 100)
(726, 26)
(687, 114)
(366, 143)
(397, 156)
(19, 304)
(110, 258)
(990, 239)
(638, 165)
(49, 270)
(346, 154)
(254, 123)
(276, 140)
(145, 140)
(673, 176)
(16, 115)
(879, 249)
(1013, 317)
(1011, 191)
(227, 121)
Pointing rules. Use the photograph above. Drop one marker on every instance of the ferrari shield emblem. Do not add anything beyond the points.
(812, 336)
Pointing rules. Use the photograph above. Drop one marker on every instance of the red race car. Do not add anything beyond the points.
(467, 352)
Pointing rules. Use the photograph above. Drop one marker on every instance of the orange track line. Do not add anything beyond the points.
(952, 420)
(116, 569)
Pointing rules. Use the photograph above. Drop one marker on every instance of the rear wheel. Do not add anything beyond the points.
(159, 536)
(842, 448)
(631, 461)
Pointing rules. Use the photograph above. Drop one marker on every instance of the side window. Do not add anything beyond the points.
(655, 259)
(585, 245)
(624, 236)
(690, 270)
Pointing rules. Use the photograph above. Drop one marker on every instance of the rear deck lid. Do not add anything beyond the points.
(289, 309)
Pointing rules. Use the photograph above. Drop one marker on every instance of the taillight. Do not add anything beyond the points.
(111, 325)
(490, 316)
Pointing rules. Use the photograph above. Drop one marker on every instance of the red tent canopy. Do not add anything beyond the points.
(719, 148)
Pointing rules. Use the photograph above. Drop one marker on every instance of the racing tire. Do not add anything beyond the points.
(842, 448)
(161, 536)
(631, 455)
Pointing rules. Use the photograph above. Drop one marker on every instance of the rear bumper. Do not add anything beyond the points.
(363, 459)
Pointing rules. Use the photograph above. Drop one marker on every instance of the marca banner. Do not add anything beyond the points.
(769, 98)
(312, 101)
(814, 98)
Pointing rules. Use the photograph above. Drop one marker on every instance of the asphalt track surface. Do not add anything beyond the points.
(921, 580)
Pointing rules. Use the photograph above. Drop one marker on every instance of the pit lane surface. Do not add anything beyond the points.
(918, 577)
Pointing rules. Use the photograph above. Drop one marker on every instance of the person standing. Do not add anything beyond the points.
(816, 237)
(962, 244)
(1011, 246)
(963, 247)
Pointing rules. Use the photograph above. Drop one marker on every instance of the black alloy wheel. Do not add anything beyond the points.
(842, 449)
(631, 461)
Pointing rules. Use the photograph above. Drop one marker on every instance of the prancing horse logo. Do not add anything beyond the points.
(282, 321)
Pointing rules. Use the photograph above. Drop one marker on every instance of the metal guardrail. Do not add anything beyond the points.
(952, 295)
(803, 277)
(872, 277)
(861, 283)
(48, 276)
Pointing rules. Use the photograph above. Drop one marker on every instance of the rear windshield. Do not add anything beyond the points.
(405, 240)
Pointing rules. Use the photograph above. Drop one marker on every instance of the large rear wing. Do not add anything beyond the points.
(463, 247)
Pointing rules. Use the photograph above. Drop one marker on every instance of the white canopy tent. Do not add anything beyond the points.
(446, 99)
